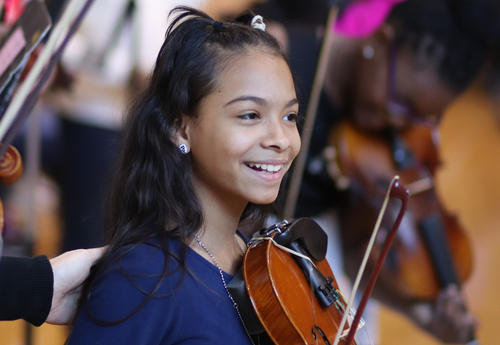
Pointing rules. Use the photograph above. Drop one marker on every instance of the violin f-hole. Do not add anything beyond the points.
(320, 331)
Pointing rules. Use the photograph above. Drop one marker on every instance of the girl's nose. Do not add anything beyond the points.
(277, 136)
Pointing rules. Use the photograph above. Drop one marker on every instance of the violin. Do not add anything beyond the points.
(295, 308)
(430, 237)
(292, 289)
(11, 167)
(431, 250)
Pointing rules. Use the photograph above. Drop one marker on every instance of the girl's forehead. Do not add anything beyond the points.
(228, 58)
(254, 66)
(254, 75)
(251, 61)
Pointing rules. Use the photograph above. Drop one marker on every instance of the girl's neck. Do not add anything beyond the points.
(218, 233)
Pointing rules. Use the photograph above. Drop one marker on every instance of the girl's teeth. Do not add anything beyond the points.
(266, 167)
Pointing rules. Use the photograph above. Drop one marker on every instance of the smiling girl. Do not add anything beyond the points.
(209, 140)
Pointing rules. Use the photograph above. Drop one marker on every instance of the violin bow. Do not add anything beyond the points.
(396, 189)
(312, 107)
(26, 96)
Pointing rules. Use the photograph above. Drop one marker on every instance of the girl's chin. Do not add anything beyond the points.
(263, 201)
(262, 195)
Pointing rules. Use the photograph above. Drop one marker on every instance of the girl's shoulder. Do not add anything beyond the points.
(135, 273)
(148, 256)
(148, 263)
(136, 294)
(157, 264)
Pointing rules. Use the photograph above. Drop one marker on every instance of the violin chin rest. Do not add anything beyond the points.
(309, 234)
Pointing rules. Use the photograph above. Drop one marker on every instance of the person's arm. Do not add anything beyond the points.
(25, 288)
(38, 290)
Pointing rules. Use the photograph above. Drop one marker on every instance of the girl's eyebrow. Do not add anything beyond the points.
(254, 99)
(292, 102)
(258, 100)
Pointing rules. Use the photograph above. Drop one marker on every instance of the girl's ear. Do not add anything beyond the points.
(181, 135)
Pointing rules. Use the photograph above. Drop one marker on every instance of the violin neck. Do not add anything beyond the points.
(433, 233)
(432, 230)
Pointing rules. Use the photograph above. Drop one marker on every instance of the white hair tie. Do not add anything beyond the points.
(258, 23)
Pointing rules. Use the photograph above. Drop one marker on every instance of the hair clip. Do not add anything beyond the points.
(258, 23)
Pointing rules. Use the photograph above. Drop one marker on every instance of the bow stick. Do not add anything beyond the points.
(310, 117)
(396, 189)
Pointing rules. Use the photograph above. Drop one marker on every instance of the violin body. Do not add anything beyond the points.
(431, 249)
(284, 300)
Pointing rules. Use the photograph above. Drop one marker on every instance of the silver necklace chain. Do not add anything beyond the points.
(214, 260)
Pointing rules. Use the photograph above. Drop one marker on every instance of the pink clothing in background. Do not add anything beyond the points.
(362, 17)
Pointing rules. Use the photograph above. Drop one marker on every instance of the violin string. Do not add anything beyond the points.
(365, 259)
(286, 249)
(311, 302)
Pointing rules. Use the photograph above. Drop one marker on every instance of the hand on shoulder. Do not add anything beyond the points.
(70, 269)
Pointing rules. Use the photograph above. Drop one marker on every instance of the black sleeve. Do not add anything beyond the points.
(26, 287)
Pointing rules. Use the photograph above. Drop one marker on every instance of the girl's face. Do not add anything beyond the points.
(395, 88)
(245, 136)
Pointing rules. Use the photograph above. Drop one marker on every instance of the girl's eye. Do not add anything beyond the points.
(249, 116)
(290, 117)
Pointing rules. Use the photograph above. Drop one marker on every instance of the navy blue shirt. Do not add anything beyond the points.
(188, 308)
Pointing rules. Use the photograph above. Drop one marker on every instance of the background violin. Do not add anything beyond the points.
(431, 250)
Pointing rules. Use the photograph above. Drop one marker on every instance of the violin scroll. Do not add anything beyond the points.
(11, 167)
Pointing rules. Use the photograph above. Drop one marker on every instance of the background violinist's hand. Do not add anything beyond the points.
(70, 271)
(446, 319)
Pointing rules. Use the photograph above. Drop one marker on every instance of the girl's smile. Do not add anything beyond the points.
(269, 171)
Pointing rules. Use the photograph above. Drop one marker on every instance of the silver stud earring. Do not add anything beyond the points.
(368, 52)
(183, 148)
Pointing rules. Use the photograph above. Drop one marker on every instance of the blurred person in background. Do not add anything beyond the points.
(418, 55)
